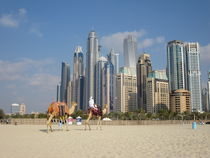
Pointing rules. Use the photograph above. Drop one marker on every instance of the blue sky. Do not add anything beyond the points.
(36, 36)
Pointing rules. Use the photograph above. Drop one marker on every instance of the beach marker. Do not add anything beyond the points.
(194, 126)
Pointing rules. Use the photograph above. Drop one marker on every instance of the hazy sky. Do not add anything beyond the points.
(37, 35)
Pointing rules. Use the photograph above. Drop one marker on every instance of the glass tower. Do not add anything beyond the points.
(92, 56)
(176, 70)
(208, 86)
(143, 68)
(99, 80)
(65, 78)
(77, 73)
(130, 48)
(194, 74)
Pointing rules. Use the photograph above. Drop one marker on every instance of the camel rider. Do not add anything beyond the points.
(91, 103)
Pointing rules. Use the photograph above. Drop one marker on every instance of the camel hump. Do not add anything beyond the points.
(73, 103)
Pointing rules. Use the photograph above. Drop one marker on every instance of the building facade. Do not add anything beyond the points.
(113, 59)
(208, 88)
(65, 78)
(130, 49)
(143, 68)
(180, 101)
(78, 71)
(157, 91)
(58, 92)
(205, 100)
(92, 56)
(126, 90)
(99, 81)
(22, 109)
(193, 74)
(176, 69)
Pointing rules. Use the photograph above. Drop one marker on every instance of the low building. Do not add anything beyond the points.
(180, 101)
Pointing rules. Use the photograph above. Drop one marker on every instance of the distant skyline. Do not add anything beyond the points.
(36, 36)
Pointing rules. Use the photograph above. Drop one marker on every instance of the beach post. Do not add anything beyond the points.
(194, 126)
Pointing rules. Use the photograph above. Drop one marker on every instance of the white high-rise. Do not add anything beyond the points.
(208, 86)
(193, 74)
(92, 56)
(130, 48)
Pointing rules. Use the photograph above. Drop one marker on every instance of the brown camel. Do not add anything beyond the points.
(59, 110)
(98, 114)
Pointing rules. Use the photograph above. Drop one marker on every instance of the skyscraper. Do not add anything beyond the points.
(193, 74)
(58, 93)
(130, 48)
(99, 80)
(78, 71)
(108, 85)
(143, 68)
(126, 90)
(157, 91)
(205, 101)
(113, 60)
(92, 56)
(176, 70)
(208, 87)
(65, 78)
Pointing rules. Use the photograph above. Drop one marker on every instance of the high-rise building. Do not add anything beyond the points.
(92, 56)
(208, 87)
(99, 80)
(15, 108)
(143, 68)
(205, 100)
(193, 74)
(81, 94)
(65, 78)
(18, 108)
(113, 60)
(126, 90)
(157, 91)
(180, 101)
(22, 109)
(58, 93)
(176, 70)
(108, 80)
(78, 71)
(130, 48)
(69, 94)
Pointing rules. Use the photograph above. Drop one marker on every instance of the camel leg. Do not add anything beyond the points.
(99, 122)
(87, 121)
(49, 124)
(67, 129)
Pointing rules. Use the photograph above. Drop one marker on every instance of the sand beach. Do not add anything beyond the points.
(143, 141)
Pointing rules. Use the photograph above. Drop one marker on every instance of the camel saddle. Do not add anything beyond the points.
(96, 111)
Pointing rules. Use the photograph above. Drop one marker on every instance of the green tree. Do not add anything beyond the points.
(2, 115)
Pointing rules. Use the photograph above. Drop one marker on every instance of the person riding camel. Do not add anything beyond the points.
(91, 103)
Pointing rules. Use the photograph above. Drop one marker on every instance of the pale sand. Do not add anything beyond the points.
(146, 141)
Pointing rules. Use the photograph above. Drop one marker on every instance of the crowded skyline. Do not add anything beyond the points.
(36, 38)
